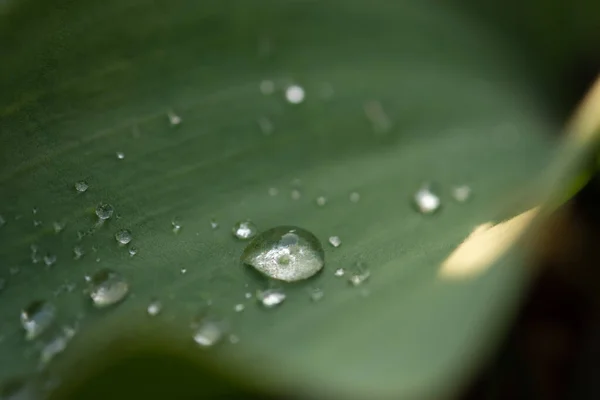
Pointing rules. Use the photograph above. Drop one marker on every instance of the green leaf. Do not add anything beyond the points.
(396, 95)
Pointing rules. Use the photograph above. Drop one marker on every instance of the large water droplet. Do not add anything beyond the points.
(104, 211)
(208, 333)
(287, 253)
(244, 230)
(123, 236)
(270, 298)
(107, 287)
(37, 317)
(81, 186)
(294, 94)
(426, 200)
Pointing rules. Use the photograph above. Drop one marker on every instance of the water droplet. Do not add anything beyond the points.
(174, 119)
(321, 201)
(81, 186)
(34, 210)
(286, 253)
(53, 348)
(239, 307)
(183, 271)
(37, 317)
(58, 226)
(354, 197)
(295, 194)
(234, 339)
(132, 251)
(37, 223)
(270, 298)
(265, 125)
(461, 193)
(359, 277)
(104, 211)
(120, 155)
(176, 225)
(123, 236)
(208, 333)
(248, 295)
(267, 87)
(426, 201)
(316, 294)
(154, 308)
(294, 94)
(78, 252)
(339, 272)
(49, 259)
(214, 224)
(244, 230)
(107, 287)
(335, 241)
(378, 117)
(273, 191)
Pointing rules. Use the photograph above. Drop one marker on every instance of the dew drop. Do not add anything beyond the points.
(183, 271)
(270, 298)
(123, 236)
(132, 251)
(426, 200)
(354, 197)
(174, 119)
(316, 294)
(208, 333)
(267, 87)
(78, 252)
(285, 253)
(58, 226)
(461, 193)
(120, 155)
(294, 94)
(176, 225)
(81, 186)
(214, 224)
(49, 259)
(339, 272)
(248, 295)
(244, 230)
(37, 317)
(154, 308)
(335, 241)
(107, 287)
(359, 277)
(239, 307)
(104, 211)
(265, 125)
(37, 223)
(321, 201)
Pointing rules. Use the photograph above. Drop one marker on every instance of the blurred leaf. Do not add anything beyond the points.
(397, 93)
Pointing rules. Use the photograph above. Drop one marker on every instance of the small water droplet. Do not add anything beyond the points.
(176, 225)
(214, 224)
(58, 226)
(49, 259)
(339, 272)
(239, 307)
(244, 230)
(321, 201)
(104, 211)
(35, 257)
(234, 339)
(295, 194)
(426, 200)
(132, 251)
(270, 298)
(37, 223)
(461, 193)
(273, 191)
(81, 186)
(78, 252)
(335, 241)
(123, 236)
(248, 295)
(316, 294)
(37, 317)
(107, 287)
(154, 308)
(265, 125)
(354, 197)
(286, 253)
(120, 155)
(359, 277)
(267, 87)
(53, 348)
(208, 333)
(183, 271)
(174, 119)
(34, 210)
(294, 94)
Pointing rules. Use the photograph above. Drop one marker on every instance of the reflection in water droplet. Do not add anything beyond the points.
(123, 236)
(81, 186)
(265, 125)
(104, 211)
(107, 287)
(273, 191)
(132, 251)
(49, 259)
(461, 193)
(354, 197)
(154, 308)
(208, 333)
(426, 201)
(294, 94)
(295, 194)
(244, 230)
(335, 241)
(316, 294)
(286, 253)
(321, 201)
(78, 252)
(174, 119)
(270, 298)
(37, 317)
(120, 155)
(239, 307)
(214, 224)
(267, 87)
